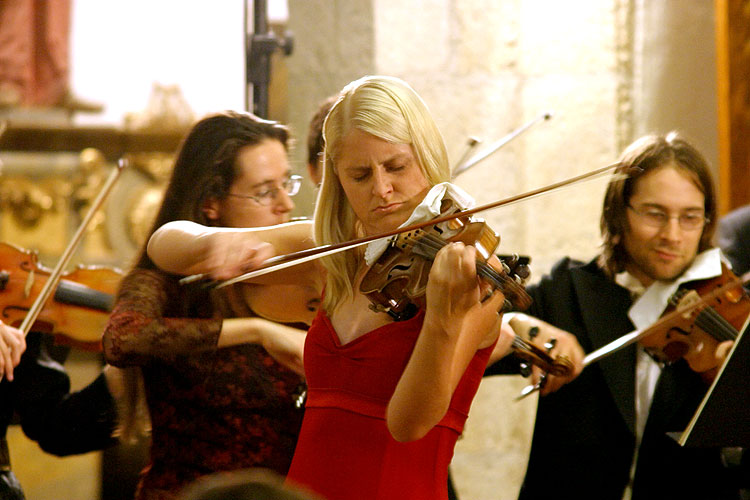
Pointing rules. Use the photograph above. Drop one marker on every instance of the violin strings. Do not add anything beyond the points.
(714, 324)
(709, 320)
(434, 243)
(429, 245)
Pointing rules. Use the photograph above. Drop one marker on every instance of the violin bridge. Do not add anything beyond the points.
(29, 283)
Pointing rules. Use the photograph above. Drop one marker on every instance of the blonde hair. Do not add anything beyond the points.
(389, 109)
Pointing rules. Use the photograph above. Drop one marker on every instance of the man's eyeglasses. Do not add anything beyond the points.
(658, 218)
(265, 198)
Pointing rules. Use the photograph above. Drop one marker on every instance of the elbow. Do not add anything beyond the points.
(163, 242)
(404, 428)
(404, 433)
(118, 342)
(113, 354)
(154, 246)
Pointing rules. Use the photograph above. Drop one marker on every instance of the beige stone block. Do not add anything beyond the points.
(566, 37)
(487, 35)
(579, 139)
(491, 455)
(412, 35)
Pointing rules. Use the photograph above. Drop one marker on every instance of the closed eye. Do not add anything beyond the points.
(359, 174)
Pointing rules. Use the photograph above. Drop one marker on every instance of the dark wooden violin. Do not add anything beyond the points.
(78, 310)
(696, 334)
(396, 283)
(299, 307)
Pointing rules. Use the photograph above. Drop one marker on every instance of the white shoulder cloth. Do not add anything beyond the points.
(650, 306)
(428, 209)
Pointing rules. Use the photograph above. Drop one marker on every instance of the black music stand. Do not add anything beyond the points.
(723, 417)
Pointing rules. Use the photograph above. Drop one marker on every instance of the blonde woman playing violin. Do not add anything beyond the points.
(386, 400)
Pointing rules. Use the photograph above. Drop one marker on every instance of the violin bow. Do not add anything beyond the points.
(56, 273)
(465, 165)
(635, 335)
(284, 261)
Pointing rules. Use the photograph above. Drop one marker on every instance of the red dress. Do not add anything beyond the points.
(344, 449)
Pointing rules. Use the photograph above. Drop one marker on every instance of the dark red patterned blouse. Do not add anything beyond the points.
(211, 409)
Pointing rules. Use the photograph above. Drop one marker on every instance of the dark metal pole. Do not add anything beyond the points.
(261, 59)
(246, 52)
(259, 48)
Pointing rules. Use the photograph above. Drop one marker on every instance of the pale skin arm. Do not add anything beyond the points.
(456, 324)
(184, 247)
(283, 343)
(12, 345)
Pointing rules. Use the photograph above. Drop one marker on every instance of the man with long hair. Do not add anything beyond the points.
(604, 435)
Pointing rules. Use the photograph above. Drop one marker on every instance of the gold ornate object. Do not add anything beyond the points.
(25, 200)
(142, 212)
(167, 109)
(135, 202)
(34, 212)
(86, 184)
(157, 166)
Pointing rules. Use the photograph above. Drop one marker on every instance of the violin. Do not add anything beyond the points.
(78, 311)
(300, 304)
(397, 282)
(696, 334)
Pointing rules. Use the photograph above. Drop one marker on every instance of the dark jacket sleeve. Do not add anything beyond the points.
(62, 422)
(734, 239)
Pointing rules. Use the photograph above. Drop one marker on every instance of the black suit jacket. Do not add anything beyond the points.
(584, 436)
(60, 421)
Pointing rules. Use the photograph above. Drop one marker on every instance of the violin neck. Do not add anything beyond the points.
(428, 247)
(70, 292)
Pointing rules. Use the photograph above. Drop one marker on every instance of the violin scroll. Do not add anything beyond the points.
(559, 366)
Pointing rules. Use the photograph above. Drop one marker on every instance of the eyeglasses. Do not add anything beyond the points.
(658, 218)
(265, 198)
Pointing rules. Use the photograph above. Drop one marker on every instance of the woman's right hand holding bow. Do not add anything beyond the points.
(187, 248)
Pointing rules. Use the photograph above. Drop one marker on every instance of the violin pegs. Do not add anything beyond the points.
(523, 272)
(550, 344)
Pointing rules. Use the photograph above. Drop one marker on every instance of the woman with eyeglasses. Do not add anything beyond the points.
(222, 384)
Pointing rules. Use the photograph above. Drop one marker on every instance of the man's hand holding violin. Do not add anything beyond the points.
(554, 341)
